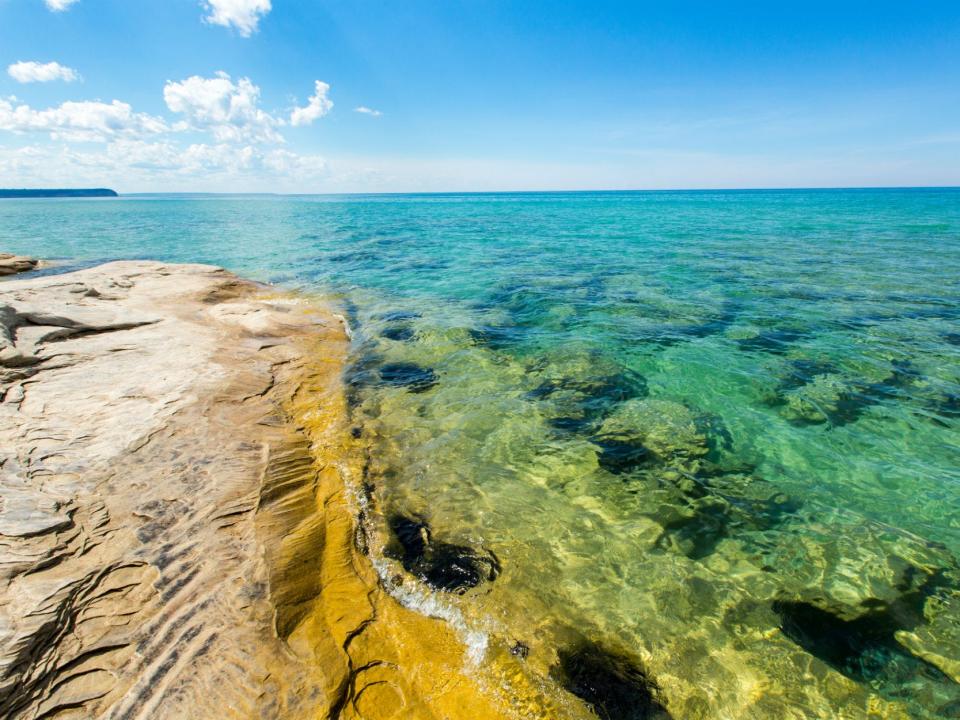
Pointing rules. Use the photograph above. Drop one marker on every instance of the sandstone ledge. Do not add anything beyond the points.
(177, 537)
(13, 264)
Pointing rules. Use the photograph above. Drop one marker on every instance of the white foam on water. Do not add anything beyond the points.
(414, 597)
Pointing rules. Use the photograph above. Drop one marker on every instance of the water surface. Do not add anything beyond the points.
(714, 432)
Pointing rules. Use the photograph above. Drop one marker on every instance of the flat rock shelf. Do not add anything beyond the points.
(177, 531)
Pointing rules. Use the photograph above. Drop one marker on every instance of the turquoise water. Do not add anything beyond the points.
(714, 431)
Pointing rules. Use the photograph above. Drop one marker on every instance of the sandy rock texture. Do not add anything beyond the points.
(13, 264)
(177, 534)
(135, 429)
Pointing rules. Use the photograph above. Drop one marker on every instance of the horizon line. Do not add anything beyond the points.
(545, 191)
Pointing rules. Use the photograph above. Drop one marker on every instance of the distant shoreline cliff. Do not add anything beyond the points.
(58, 193)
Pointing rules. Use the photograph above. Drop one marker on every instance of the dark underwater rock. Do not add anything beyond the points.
(864, 649)
(401, 333)
(498, 337)
(616, 686)
(413, 377)
(584, 401)
(620, 454)
(673, 333)
(668, 430)
(442, 566)
(774, 341)
(814, 392)
(861, 642)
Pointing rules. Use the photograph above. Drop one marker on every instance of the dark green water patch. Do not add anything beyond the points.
(814, 392)
(620, 454)
(578, 404)
(407, 375)
(499, 337)
(670, 334)
(400, 333)
(776, 341)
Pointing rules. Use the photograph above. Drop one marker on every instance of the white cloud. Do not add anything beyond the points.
(132, 165)
(228, 110)
(244, 15)
(86, 121)
(27, 72)
(59, 5)
(367, 111)
(318, 106)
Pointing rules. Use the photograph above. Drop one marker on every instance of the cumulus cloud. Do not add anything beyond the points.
(151, 152)
(86, 121)
(27, 72)
(59, 5)
(227, 109)
(367, 111)
(243, 15)
(318, 106)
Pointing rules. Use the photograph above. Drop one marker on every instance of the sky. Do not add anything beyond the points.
(316, 96)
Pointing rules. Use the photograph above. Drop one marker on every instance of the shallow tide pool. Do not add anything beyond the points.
(712, 435)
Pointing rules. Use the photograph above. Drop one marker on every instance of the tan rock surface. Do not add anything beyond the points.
(177, 538)
(12, 264)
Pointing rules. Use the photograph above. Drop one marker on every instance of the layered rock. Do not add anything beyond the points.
(12, 264)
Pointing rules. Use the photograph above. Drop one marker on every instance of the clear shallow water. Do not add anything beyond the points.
(715, 431)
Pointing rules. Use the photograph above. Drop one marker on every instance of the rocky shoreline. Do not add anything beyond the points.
(178, 536)
(11, 264)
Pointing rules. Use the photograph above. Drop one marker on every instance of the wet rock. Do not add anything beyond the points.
(13, 264)
(413, 377)
(615, 685)
(520, 650)
(360, 373)
(442, 566)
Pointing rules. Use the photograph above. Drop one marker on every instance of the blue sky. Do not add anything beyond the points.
(222, 95)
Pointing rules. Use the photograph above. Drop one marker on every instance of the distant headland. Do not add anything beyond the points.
(59, 193)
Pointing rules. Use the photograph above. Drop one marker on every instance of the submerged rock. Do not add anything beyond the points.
(864, 648)
(401, 333)
(774, 341)
(413, 377)
(443, 566)
(667, 430)
(814, 392)
(620, 454)
(616, 686)
(582, 402)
